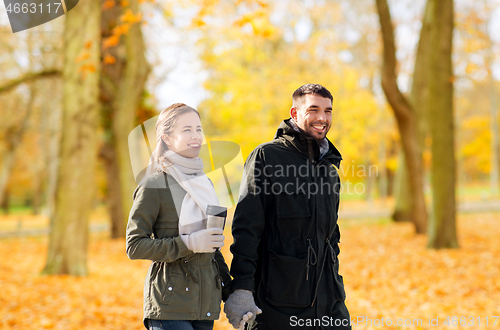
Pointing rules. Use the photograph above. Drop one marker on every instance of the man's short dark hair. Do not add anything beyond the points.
(311, 89)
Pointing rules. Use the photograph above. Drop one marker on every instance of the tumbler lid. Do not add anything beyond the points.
(219, 211)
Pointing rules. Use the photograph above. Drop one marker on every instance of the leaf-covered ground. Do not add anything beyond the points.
(387, 270)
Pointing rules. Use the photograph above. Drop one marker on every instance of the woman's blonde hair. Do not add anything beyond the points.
(166, 124)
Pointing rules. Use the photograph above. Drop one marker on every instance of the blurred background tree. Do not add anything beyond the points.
(68, 241)
(123, 76)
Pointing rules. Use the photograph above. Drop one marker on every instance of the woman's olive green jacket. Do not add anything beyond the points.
(180, 284)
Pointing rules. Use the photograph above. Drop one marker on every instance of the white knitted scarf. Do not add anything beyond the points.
(188, 172)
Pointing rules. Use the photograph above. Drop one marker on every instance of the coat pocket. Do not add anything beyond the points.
(181, 294)
(159, 280)
(169, 285)
(287, 285)
(338, 282)
(293, 225)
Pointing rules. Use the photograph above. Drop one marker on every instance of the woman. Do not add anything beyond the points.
(167, 225)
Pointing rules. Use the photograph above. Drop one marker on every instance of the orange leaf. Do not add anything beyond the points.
(111, 41)
(108, 4)
(82, 57)
(109, 59)
(121, 29)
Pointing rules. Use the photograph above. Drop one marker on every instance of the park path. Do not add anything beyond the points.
(364, 211)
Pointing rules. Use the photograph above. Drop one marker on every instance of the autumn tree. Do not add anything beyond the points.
(21, 93)
(418, 99)
(442, 229)
(406, 120)
(123, 75)
(68, 238)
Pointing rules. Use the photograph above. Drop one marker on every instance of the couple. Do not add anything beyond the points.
(284, 272)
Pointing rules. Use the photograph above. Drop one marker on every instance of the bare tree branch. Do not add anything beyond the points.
(396, 99)
(28, 77)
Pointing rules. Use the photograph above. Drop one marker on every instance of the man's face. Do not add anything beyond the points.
(313, 115)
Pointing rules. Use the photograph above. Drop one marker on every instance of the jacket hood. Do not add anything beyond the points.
(305, 144)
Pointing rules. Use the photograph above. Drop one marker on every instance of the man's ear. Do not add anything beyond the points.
(165, 139)
(293, 113)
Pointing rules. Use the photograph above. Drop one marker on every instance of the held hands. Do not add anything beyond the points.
(204, 241)
(246, 318)
(240, 308)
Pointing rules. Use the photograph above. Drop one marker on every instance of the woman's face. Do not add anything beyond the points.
(187, 136)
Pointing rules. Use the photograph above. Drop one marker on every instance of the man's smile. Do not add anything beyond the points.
(319, 128)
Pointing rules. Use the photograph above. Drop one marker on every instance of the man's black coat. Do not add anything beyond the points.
(286, 234)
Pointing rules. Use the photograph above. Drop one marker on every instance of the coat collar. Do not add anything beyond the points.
(306, 145)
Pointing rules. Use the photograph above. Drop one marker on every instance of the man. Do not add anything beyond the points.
(285, 226)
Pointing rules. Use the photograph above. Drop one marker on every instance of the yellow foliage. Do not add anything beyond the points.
(197, 22)
(475, 151)
(253, 74)
(129, 17)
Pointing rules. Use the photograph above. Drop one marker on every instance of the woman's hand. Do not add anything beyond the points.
(204, 241)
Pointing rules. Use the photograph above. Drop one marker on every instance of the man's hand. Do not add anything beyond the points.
(240, 308)
(246, 318)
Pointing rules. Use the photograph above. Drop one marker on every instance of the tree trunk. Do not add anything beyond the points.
(419, 101)
(37, 193)
(495, 140)
(68, 238)
(54, 127)
(442, 229)
(13, 140)
(405, 119)
(121, 88)
(5, 202)
(402, 209)
(113, 196)
(382, 183)
(369, 183)
(419, 95)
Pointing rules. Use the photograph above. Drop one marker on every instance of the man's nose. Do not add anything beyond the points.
(321, 115)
